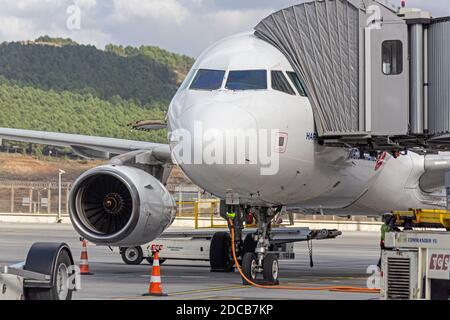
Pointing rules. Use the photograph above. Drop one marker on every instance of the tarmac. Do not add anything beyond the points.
(339, 262)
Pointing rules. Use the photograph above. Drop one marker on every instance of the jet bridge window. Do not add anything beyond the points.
(208, 80)
(280, 83)
(247, 80)
(392, 57)
(297, 83)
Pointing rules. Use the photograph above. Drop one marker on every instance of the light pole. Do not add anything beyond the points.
(61, 172)
(38, 205)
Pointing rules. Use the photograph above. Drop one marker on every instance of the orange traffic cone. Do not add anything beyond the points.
(155, 288)
(84, 263)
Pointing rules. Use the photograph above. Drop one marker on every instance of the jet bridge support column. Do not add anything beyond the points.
(418, 22)
(416, 82)
(425, 81)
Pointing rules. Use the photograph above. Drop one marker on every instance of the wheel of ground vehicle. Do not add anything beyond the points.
(54, 260)
(270, 268)
(249, 267)
(150, 260)
(132, 255)
(220, 253)
(249, 243)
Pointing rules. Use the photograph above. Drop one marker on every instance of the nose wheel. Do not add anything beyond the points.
(249, 267)
(257, 258)
(269, 269)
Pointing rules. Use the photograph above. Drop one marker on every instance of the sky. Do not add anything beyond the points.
(182, 26)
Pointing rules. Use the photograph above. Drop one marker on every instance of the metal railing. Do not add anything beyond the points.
(42, 198)
(209, 208)
(23, 197)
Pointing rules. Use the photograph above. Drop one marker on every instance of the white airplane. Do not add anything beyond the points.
(241, 85)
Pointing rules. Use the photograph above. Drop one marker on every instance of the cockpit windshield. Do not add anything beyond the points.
(280, 83)
(208, 80)
(247, 80)
(297, 83)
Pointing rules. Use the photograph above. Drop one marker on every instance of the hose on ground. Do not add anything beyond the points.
(325, 288)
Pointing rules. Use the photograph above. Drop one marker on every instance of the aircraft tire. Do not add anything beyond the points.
(220, 253)
(249, 243)
(249, 266)
(271, 268)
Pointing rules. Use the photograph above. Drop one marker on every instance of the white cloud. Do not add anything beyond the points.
(162, 10)
(184, 26)
(12, 28)
(86, 4)
(237, 20)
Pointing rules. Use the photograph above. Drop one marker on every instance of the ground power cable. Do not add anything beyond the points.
(325, 288)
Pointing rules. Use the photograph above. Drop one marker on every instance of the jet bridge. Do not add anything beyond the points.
(377, 76)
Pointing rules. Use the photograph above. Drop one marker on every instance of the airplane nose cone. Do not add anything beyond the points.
(215, 116)
(215, 162)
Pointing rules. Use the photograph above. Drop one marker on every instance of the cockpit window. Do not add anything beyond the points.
(297, 83)
(208, 80)
(247, 80)
(188, 79)
(280, 83)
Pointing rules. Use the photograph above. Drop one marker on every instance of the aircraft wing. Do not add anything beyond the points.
(87, 146)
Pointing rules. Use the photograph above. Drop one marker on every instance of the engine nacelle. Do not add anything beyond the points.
(120, 206)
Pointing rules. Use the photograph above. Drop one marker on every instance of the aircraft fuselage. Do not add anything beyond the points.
(243, 86)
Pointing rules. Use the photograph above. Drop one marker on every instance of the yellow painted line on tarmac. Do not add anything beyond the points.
(309, 281)
(207, 290)
(181, 293)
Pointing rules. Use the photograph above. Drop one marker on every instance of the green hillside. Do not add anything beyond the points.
(181, 64)
(55, 84)
(73, 113)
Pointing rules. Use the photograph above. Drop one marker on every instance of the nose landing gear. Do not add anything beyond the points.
(258, 260)
(269, 269)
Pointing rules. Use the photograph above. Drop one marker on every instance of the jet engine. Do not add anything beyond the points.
(120, 206)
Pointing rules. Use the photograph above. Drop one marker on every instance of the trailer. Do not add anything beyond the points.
(416, 265)
(214, 245)
(48, 273)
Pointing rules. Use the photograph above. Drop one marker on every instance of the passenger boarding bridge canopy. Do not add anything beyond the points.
(335, 46)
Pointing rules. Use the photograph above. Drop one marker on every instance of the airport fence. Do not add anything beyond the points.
(42, 198)
(19, 197)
